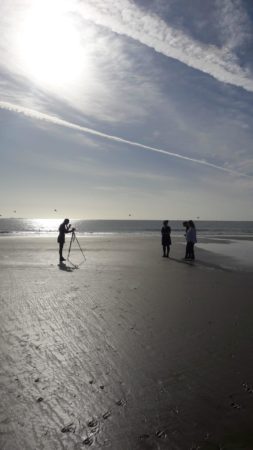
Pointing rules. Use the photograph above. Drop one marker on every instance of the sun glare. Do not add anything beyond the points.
(49, 44)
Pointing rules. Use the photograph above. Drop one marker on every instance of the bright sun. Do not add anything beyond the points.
(49, 44)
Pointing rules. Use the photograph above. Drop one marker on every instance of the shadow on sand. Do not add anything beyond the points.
(63, 266)
(183, 261)
(203, 264)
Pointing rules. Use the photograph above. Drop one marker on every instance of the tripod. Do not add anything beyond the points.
(74, 238)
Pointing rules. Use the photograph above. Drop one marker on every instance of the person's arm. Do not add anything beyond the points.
(69, 229)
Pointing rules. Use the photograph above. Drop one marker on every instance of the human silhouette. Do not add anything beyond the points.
(191, 238)
(166, 239)
(186, 225)
(64, 228)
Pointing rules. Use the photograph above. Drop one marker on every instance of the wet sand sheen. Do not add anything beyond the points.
(131, 351)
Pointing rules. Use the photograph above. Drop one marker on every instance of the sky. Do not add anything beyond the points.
(118, 109)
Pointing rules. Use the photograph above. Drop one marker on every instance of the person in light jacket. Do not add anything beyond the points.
(191, 239)
(186, 225)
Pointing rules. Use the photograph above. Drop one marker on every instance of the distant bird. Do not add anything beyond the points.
(55, 210)
(129, 215)
(14, 211)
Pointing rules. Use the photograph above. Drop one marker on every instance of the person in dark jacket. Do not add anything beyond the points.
(166, 239)
(64, 228)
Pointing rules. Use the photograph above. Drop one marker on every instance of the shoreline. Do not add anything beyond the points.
(228, 252)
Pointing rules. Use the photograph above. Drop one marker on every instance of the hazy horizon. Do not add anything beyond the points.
(140, 108)
(161, 219)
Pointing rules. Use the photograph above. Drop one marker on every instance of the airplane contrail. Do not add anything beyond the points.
(57, 121)
(127, 19)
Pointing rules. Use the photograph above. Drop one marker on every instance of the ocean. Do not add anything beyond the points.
(49, 227)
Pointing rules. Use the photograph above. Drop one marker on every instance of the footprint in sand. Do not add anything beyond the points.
(247, 388)
(142, 437)
(235, 405)
(88, 441)
(161, 434)
(92, 423)
(70, 428)
(120, 402)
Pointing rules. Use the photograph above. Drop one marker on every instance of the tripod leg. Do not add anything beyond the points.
(80, 247)
(70, 244)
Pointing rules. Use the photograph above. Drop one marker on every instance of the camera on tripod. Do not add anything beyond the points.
(73, 229)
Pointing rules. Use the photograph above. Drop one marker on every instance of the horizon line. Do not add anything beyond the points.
(196, 219)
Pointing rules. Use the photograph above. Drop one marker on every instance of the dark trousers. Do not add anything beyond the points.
(191, 254)
(61, 244)
(166, 250)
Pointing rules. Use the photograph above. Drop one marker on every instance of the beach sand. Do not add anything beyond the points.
(131, 351)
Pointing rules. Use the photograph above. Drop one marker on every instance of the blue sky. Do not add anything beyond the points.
(110, 108)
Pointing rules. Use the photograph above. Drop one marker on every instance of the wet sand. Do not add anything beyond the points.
(131, 351)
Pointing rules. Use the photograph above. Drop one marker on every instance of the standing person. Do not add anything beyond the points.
(64, 228)
(186, 225)
(166, 239)
(191, 238)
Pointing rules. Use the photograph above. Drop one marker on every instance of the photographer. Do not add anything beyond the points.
(64, 228)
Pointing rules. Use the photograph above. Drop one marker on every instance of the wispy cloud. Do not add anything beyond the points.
(234, 24)
(60, 122)
(127, 19)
